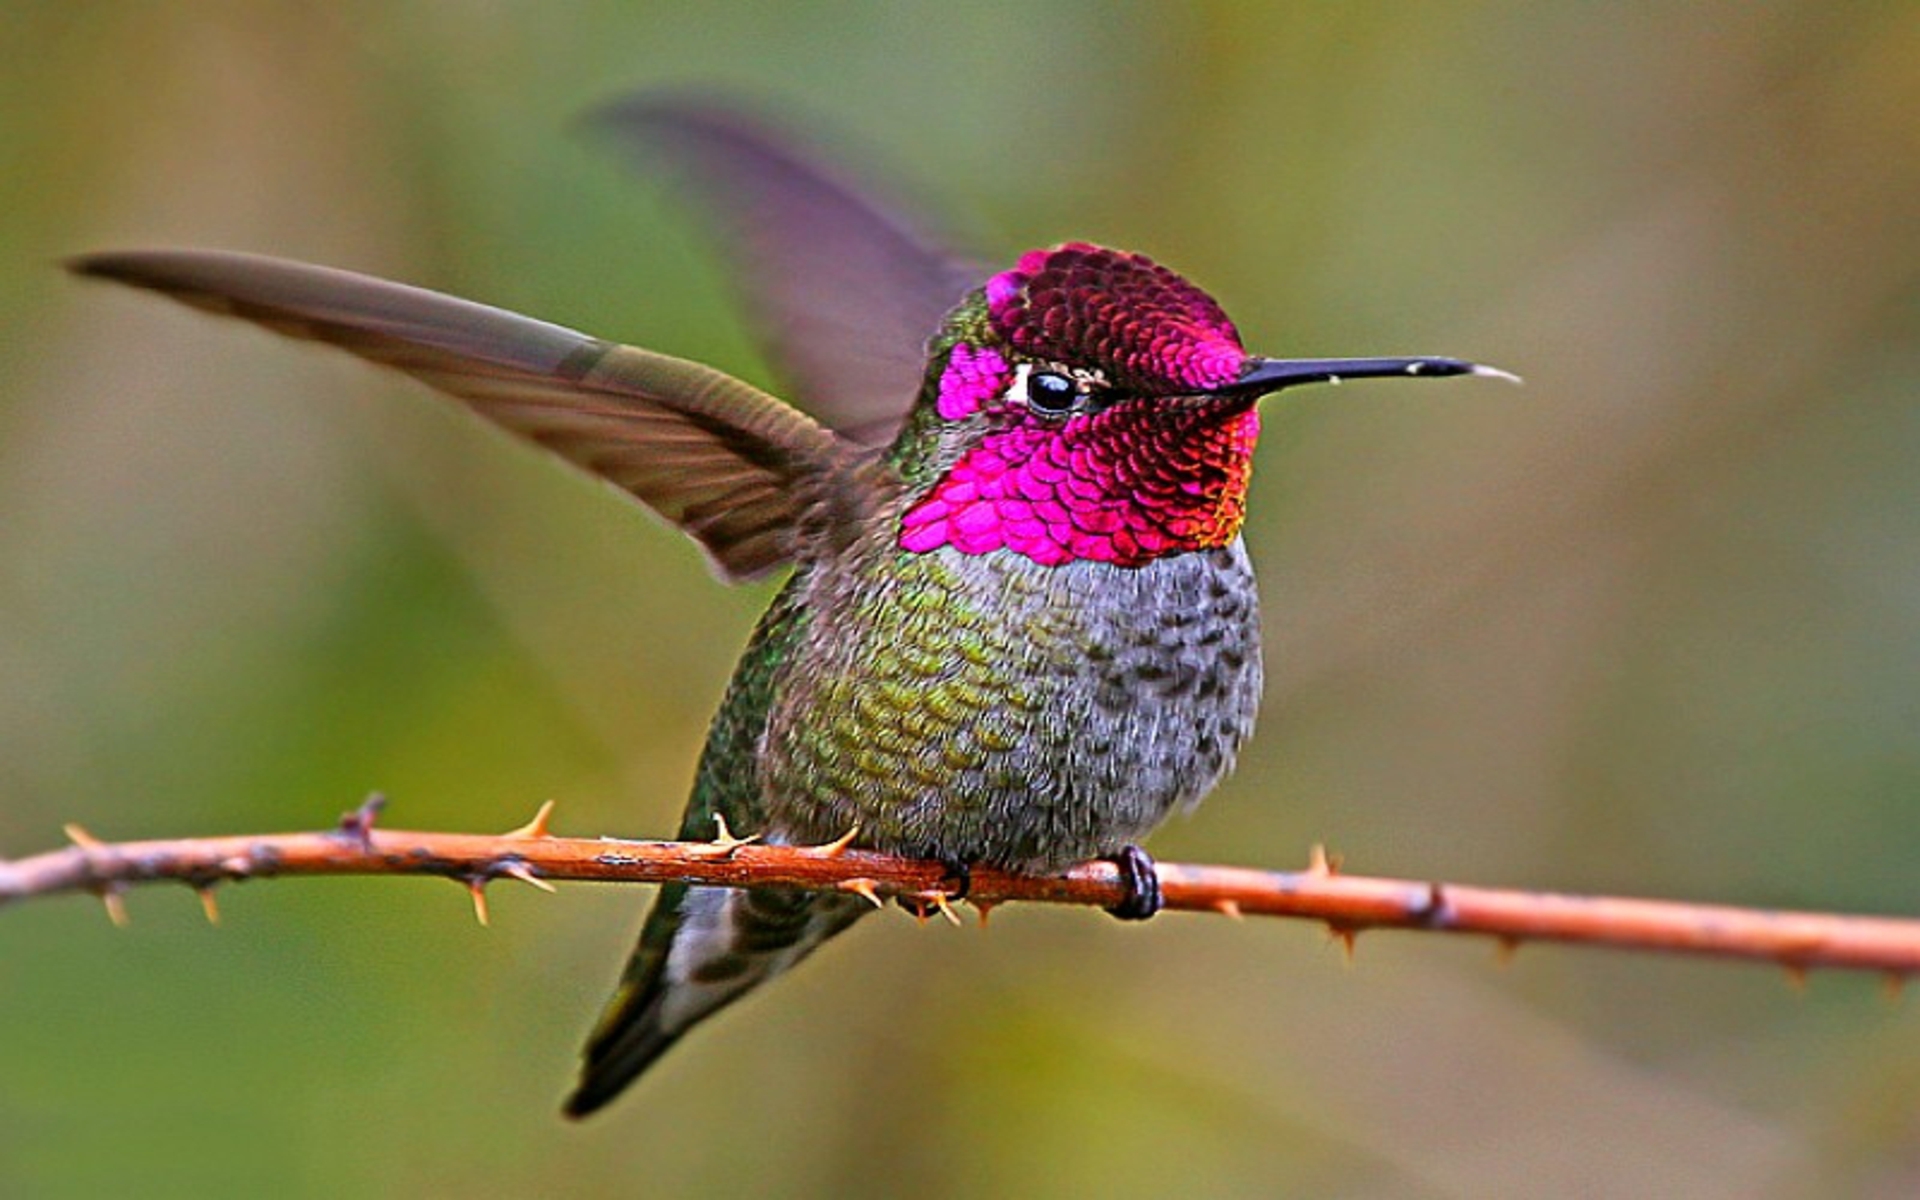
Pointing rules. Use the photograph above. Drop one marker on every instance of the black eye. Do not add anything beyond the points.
(1051, 393)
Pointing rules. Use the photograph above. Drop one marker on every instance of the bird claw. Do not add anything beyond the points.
(941, 899)
(960, 874)
(1141, 882)
(931, 901)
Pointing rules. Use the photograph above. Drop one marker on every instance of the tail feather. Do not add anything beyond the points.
(701, 949)
(617, 1061)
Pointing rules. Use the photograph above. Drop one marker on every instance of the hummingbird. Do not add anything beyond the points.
(1019, 626)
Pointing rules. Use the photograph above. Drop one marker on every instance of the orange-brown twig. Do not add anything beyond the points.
(1347, 903)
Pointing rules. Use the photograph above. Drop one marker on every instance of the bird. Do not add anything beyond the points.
(1019, 626)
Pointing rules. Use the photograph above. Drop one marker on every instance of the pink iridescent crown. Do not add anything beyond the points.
(1152, 330)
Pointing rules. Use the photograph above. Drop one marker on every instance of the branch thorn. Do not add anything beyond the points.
(208, 904)
(524, 873)
(115, 903)
(477, 888)
(984, 908)
(78, 835)
(1229, 908)
(536, 828)
(863, 888)
(1796, 975)
(834, 848)
(1320, 863)
(1505, 947)
(1893, 985)
(1347, 935)
(357, 826)
(724, 843)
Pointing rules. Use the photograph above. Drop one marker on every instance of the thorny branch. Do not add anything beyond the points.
(1348, 904)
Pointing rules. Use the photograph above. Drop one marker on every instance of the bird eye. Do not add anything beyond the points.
(1050, 393)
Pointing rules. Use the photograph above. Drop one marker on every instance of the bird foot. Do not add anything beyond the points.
(925, 904)
(1141, 881)
(955, 885)
(960, 875)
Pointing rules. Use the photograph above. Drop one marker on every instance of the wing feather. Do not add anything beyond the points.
(843, 289)
(731, 465)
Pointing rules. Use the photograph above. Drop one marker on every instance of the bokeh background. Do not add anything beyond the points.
(1650, 625)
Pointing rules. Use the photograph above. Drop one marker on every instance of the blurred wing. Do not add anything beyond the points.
(724, 461)
(843, 292)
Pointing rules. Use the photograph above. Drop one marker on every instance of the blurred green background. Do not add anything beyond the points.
(1650, 625)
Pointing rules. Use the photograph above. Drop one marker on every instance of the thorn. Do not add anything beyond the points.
(834, 848)
(1347, 935)
(1319, 862)
(724, 843)
(1796, 975)
(1229, 909)
(208, 904)
(536, 828)
(115, 903)
(863, 888)
(1893, 985)
(984, 908)
(477, 888)
(358, 824)
(81, 838)
(524, 874)
(1505, 947)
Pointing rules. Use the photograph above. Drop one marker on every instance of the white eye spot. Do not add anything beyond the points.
(1017, 392)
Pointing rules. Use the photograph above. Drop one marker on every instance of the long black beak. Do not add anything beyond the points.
(1262, 375)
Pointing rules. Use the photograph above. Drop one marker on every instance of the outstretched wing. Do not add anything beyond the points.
(720, 459)
(842, 290)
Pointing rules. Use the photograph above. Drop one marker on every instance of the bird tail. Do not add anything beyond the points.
(701, 949)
